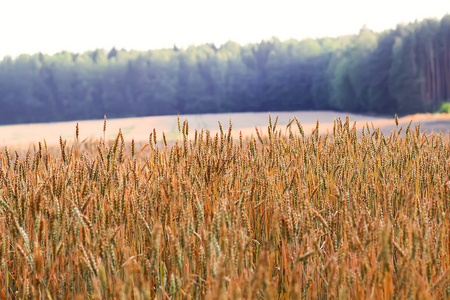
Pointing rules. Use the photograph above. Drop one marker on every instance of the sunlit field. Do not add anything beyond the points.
(286, 212)
(24, 136)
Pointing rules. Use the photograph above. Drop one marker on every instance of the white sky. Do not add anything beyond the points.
(50, 26)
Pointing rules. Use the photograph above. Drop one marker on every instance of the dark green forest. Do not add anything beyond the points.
(406, 70)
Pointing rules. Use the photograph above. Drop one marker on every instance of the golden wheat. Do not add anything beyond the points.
(280, 216)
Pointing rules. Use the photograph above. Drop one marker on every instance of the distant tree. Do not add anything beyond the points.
(405, 70)
(404, 81)
(378, 64)
(112, 53)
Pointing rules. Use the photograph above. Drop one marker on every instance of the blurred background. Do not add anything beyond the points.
(79, 60)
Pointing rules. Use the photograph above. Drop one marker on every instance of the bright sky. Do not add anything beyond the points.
(50, 26)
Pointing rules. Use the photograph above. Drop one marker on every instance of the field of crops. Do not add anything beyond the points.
(283, 214)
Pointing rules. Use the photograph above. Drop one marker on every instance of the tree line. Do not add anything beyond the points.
(404, 70)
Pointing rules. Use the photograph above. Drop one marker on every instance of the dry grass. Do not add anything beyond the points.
(279, 215)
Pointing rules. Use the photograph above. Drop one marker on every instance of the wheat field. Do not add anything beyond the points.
(281, 214)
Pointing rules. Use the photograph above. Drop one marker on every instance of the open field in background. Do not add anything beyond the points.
(140, 128)
(349, 215)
